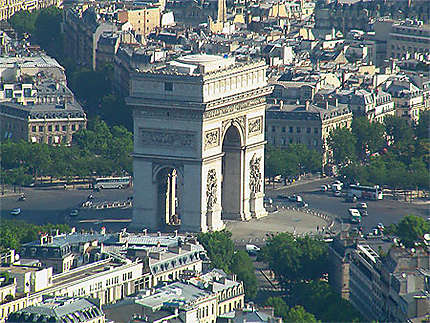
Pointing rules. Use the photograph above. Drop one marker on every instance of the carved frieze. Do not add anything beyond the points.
(168, 114)
(211, 138)
(255, 126)
(255, 174)
(211, 189)
(167, 138)
(233, 108)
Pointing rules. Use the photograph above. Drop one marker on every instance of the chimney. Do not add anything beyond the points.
(103, 230)
(326, 105)
(307, 105)
(73, 230)
(281, 104)
(145, 231)
(176, 233)
(159, 233)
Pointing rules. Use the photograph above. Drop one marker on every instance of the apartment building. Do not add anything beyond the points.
(408, 98)
(408, 37)
(9, 7)
(307, 124)
(43, 123)
(376, 105)
(143, 20)
(390, 288)
(61, 309)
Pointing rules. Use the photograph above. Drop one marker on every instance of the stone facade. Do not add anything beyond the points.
(203, 116)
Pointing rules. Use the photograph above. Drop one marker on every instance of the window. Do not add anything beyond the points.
(41, 128)
(273, 128)
(308, 130)
(298, 129)
(168, 86)
(291, 129)
(49, 128)
(57, 128)
(64, 128)
(73, 127)
(8, 93)
(315, 130)
(283, 129)
(33, 129)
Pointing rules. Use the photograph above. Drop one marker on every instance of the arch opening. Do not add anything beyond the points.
(231, 174)
(169, 193)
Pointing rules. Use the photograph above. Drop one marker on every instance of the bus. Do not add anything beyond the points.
(111, 182)
(354, 215)
(366, 192)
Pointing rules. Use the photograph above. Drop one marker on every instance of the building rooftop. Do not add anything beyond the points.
(43, 110)
(58, 309)
(177, 294)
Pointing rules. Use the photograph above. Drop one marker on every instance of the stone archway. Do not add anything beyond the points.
(202, 115)
(231, 186)
(169, 186)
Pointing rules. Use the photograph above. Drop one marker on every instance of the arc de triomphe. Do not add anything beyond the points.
(198, 142)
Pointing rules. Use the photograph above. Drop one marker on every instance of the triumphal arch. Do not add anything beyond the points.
(198, 142)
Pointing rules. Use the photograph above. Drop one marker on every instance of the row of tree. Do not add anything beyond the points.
(43, 27)
(410, 230)
(292, 161)
(300, 263)
(394, 154)
(97, 150)
(223, 255)
(13, 233)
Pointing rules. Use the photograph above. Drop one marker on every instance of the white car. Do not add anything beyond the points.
(362, 205)
(16, 211)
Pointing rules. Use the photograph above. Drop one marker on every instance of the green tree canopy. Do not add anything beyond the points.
(342, 142)
(369, 135)
(223, 255)
(410, 229)
(295, 258)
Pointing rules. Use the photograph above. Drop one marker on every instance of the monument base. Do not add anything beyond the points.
(257, 205)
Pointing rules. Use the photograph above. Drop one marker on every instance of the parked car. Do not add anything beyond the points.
(362, 205)
(252, 249)
(74, 212)
(364, 212)
(16, 211)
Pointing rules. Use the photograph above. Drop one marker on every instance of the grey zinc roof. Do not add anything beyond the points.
(76, 309)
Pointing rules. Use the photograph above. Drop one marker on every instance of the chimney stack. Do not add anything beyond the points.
(281, 104)
(307, 105)
(326, 104)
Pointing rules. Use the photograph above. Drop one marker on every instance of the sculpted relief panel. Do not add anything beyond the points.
(255, 174)
(211, 138)
(255, 126)
(168, 138)
(211, 189)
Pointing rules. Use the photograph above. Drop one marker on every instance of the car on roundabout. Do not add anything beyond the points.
(16, 211)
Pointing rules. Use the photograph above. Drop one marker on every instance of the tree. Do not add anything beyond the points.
(317, 297)
(369, 135)
(422, 130)
(221, 252)
(48, 31)
(342, 142)
(298, 314)
(24, 21)
(295, 258)
(243, 267)
(410, 229)
(279, 305)
(398, 129)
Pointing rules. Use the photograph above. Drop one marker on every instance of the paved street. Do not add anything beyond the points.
(386, 211)
(47, 205)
